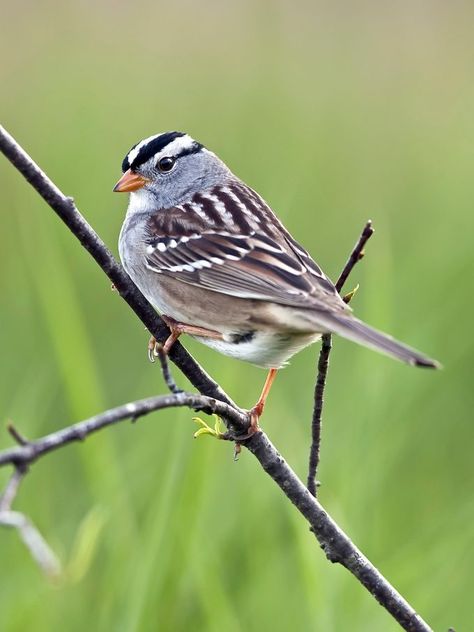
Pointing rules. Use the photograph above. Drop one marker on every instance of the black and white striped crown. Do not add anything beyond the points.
(173, 144)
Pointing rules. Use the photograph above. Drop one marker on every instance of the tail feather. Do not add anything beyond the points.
(357, 331)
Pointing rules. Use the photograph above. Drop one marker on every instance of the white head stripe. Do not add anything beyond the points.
(176, 146)
(133, 153)
(173, 148)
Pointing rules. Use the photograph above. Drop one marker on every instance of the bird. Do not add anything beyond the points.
(215, 261)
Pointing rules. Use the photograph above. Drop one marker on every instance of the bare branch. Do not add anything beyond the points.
(335, 543)
(22, 455)
(29, 451)
(323, 363)
(332, 539)
(34, 541)
(11, 489)
(316, 424)
(32, 538)
(19, 438)
(356, 255)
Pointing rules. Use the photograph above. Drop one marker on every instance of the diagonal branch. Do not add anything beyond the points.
(323, 363)
(336, 544)
(65, 208)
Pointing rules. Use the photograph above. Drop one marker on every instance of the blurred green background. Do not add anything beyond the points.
(334, 112)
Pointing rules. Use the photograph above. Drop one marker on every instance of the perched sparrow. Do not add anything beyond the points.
(208, 253)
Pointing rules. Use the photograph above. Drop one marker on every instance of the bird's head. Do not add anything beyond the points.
(166, 169)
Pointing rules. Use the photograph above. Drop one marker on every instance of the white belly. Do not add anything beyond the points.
(266, 349)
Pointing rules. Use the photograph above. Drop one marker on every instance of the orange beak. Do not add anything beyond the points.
(130, 182)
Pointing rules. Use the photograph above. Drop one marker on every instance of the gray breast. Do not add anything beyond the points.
(132, 245)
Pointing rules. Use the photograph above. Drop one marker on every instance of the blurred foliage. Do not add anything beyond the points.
(335, 112)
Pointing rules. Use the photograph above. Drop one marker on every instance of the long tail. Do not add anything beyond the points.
(354, 329)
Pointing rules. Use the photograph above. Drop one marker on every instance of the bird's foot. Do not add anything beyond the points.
(177, 329)
(153, 349)
(255, 414)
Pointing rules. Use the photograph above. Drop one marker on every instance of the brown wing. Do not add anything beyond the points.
(229, 241)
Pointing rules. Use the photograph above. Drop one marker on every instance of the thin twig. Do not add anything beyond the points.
(236, 420)
(16, 434)
(323, 364)
(356, 255)
(11, 490)
(165, 369)
(32, 538)
(34, 541)
(337, 546)
(316, 424)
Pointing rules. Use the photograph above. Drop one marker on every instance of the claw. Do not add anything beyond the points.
(152, 349)
(237, 450)
(205, 429)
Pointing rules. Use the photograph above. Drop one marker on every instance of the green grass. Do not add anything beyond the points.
(334, 115)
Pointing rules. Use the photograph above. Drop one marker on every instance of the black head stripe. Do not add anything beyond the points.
(125, 163)
(154, 146)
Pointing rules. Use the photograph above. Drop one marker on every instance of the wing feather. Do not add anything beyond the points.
(248, 259)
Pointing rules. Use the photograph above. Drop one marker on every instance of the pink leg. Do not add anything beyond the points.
(177, 329)
(257, 411)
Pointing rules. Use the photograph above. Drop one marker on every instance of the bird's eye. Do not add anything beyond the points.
(165, 164)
